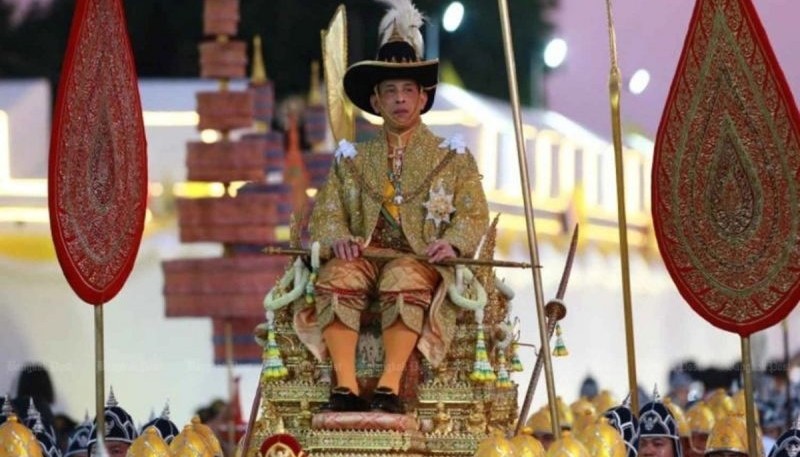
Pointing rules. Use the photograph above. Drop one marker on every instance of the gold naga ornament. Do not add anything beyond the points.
(149, 444)
(16, 440)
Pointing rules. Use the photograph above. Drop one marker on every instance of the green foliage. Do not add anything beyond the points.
(165, 35)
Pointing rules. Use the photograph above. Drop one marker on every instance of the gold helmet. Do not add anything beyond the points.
(495, 445)
(527, 446)
(677, 412)
(604, 401)
(730, 435)
(583, 414)
(567, 446)
(190, 443)
(540, 422)
(208, 434)
(700, 418)
(565, 417)
(720, 403)
(739, 404)
(149, 444)
(603, 440)
(17, 440)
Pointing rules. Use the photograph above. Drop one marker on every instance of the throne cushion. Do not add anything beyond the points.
(373, 420)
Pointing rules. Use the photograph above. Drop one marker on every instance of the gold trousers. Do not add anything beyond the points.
(403, 287)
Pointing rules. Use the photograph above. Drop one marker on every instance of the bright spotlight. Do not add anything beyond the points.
(453, 16)
(639, 81)
(555, 52)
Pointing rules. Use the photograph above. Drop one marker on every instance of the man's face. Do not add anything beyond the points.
(656, 446)
(399, 101)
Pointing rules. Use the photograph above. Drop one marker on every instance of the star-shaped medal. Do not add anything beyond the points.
(439, 205)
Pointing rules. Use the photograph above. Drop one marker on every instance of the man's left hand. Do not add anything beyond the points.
(440, 250)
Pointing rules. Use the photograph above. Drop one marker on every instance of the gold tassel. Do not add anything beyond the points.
(560, 350)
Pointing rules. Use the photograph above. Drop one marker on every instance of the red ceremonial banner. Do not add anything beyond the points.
(97, 189)
(725, 173)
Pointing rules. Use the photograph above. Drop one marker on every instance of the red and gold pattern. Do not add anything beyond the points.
(725, 173)
(98, 155)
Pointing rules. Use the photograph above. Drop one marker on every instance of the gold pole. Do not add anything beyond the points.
(750, 414)
(231, 384)
(616, 127)
(529, 219)
(99, 374)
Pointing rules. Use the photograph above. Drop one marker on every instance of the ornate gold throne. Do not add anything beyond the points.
(449, 411)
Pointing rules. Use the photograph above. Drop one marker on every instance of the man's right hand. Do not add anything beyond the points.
(346, 248)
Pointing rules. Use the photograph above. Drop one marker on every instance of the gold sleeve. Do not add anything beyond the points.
(471, 217)
(329, 219)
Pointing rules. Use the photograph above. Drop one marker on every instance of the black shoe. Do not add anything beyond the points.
(343, 399)
(385, 400)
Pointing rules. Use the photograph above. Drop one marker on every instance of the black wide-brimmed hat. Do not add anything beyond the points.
(399, 57)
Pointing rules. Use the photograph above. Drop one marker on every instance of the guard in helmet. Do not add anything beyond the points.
(541, 426)
(788, 444)
(163, 425)
(120, 430)
(684, 432)
(621, 417)
(701, 422)
(658, 431)
(78, 443)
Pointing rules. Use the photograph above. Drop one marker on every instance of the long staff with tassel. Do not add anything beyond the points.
(556, 310)
(616, 128)
(529, 219)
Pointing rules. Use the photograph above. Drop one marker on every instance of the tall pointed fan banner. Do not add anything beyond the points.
(97, 183)
(725, 173)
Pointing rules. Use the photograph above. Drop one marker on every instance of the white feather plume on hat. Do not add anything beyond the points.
(404, 19)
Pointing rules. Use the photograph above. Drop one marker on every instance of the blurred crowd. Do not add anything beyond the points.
(30, 427)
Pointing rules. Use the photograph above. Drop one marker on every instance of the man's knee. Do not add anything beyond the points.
(407, 274)
(342, 291)
(394, 308)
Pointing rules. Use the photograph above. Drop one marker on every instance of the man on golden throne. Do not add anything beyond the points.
(406, 191)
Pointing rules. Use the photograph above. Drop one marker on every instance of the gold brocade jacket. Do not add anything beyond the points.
(350, 202)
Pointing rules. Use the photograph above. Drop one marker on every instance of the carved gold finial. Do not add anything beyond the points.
(315, 92)
(259, 74)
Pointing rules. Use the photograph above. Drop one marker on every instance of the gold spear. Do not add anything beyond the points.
(529, 220)
(616, 127)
